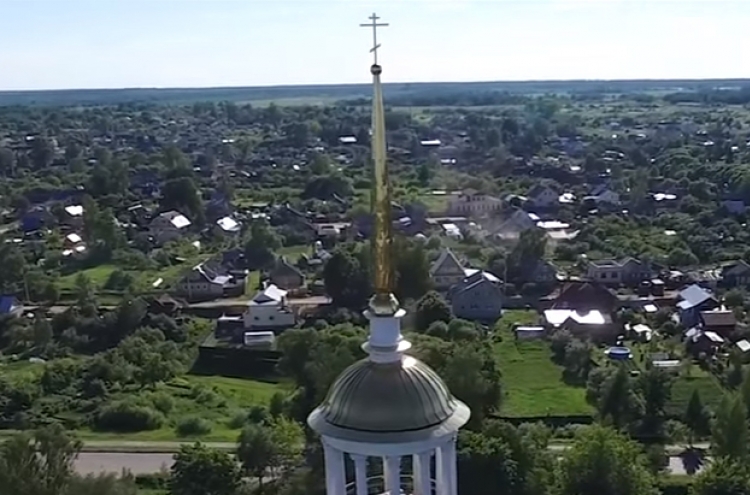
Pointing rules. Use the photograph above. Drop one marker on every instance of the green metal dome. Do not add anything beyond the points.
(406, 395)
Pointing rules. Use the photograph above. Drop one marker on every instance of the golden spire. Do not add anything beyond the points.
(383, 302)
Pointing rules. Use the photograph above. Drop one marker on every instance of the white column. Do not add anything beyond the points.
(452, 468)
(440, 487)
(422, 473)
(446, 468)
(335, 471)
(392, 474)
(360, 473)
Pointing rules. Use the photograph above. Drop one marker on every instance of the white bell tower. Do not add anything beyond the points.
(389, 417)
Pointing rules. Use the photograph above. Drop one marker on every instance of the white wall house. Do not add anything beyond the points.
(269, 310)
(473, 204)
(202, 283)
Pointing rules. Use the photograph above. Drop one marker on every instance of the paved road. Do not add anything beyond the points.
(92, 461)
(115, 462)
(219, 303)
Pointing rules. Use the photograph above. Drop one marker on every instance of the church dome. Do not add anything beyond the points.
(402, 396)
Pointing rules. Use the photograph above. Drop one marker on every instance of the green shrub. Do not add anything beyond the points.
(203, 395)
(125, 416)
(238, 421)
(193, 426)
(162, 402)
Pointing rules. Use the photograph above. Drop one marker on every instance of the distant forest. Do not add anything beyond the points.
(733, 91)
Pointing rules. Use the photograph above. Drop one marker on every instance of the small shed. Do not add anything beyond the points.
(527, 332)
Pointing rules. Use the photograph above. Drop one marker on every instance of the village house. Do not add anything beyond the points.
(628, 271)
(9, 306)
(511, 228)
(73, 216)
(602, 195)
(736, 274)
(206, 282)
(701, 341)
(693, 300)
(168, 226)
(586, 296)
(719, 320)
(218, 206)
(586, 310)
(269, 310)
(591, 324)
(286, 276)
(543, 197)
(473, 204)
(479, 297)
(538, 272)
(37, 218)
(446, 271)
(734, 206)
(229, 225)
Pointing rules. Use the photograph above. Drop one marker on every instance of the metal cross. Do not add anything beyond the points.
(374, 25)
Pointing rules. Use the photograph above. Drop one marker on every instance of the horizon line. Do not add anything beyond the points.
(496, 81)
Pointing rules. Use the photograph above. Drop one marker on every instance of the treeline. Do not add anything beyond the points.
(728, 96)
(94, 97)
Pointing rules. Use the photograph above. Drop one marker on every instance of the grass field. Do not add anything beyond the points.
(708, 388)
(98, 276)
(293, 253)
(216, 399)
(533, 383)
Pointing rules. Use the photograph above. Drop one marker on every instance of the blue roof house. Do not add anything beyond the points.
(693, 300)
(9, 306)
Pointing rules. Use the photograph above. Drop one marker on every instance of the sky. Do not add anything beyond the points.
(67, 44)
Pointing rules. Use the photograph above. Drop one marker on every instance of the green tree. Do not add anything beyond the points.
(277, 445)
(745, 392)
(619, 404)
(198, 470)
(722, 477)
(255, 451)
(485, 465)
(431, 307)
(696, 416)
(470, 371)
(578, 360)
(181, 194)
(7, 162)
(346, 280)
(729, 432)
(412, 269)
(103, 484)
(289, 442)
(40, 463)
(260, 244)
(655, 386)
(601, 460)
(530, 248)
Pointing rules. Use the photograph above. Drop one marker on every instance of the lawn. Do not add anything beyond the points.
(216, 399)
(293, 253)
(533, 384)
(435, 203)
(98, 276)
(707, 386)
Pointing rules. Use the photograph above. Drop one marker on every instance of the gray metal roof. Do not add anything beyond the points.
(388, 398)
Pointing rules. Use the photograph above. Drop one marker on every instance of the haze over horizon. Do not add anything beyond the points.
(76, 44)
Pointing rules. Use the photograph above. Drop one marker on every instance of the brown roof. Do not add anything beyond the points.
(724, 318)
(578, 295)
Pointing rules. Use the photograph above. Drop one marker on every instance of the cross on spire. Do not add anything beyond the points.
(374, 25)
